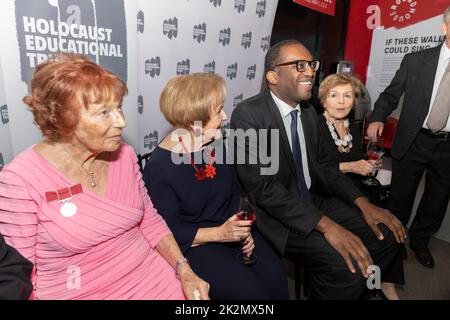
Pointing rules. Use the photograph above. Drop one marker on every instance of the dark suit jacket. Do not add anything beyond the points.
(15, 273)
(279, 206)
(415, 78)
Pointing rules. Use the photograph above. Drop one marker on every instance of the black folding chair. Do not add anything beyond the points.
(142, 160)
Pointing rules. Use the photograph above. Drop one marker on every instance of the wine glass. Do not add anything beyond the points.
(375, 150)
(246, 212)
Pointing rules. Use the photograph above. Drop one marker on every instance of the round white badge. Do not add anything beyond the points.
(68, 209)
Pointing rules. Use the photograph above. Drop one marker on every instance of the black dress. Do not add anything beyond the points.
(329, 159)
(329, 156)
(15, 273)
(187, 205)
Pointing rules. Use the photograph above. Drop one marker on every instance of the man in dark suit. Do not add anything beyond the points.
(422, 141)
(15, 273)
(329, 237)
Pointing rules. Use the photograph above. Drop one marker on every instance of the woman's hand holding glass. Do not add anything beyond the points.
(234, 230)
(247, 212)
(361, 167)
(375, 150)
(248, 245)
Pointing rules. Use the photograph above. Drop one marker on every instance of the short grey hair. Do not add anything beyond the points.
(447, 15)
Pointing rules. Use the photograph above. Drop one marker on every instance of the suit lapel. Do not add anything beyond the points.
(428, 73)
(276, 116)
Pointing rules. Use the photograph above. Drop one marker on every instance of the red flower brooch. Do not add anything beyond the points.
(209, 170)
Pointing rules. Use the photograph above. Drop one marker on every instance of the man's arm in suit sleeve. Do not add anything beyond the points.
(15, 273)
(266, 190)
(388, 99)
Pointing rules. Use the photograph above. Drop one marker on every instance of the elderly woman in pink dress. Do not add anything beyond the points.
(75, 204)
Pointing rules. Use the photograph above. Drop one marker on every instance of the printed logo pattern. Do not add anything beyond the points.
(140, 104)
(239, 5)
(210, 67)
(265, 43)
(251, 72)
(246, 41)
(238, 99)
(140, 22)
(170, 28)
(216, 3)
(153, 67)
(4, 114)
(225, 36)
(151, 140)
(183, 67)
(261, 8)
(200, 32)
(232, 71)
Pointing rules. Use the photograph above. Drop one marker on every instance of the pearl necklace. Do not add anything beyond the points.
(344, 145)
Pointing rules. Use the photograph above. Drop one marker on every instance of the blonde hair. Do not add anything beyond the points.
(339, 79)
(189, 98)
(446, 16)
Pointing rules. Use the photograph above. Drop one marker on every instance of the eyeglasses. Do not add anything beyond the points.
(302, 65)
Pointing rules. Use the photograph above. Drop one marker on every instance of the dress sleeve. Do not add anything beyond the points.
(18, 221)
(18, 216)
(166, 201)
(152, 225)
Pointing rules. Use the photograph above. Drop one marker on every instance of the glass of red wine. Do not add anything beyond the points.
(375, 150)
(246, 212)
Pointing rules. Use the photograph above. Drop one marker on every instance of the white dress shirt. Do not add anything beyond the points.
(285, 111)
(444, 58)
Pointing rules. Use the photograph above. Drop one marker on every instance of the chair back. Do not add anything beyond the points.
(142, 160)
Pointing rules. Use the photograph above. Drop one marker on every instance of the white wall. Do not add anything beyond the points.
(145, 40)
(194, 43)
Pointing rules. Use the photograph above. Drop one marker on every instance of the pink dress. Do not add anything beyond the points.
(105, 251)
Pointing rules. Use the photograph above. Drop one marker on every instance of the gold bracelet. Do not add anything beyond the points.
(178, 265)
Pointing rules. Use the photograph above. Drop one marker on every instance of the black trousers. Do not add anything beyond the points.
(330, 276)
(433, 155)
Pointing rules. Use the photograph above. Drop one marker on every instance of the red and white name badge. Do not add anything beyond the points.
(63, 196)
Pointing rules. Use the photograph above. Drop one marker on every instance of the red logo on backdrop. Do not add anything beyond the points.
(324, 6)
(403, 13)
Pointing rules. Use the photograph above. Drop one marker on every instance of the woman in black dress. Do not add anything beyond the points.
(195, 192)
(340, 149)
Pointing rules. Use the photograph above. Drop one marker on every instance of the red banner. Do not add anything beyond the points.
(403, 13)
(359, 35)
(324, 6)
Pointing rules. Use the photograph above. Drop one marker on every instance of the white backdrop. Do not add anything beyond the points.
(145, 42)
(228, 37)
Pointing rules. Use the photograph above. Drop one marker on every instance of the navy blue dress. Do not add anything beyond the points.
(187, 205)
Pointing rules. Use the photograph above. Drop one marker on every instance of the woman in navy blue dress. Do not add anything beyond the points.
(194, 190)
